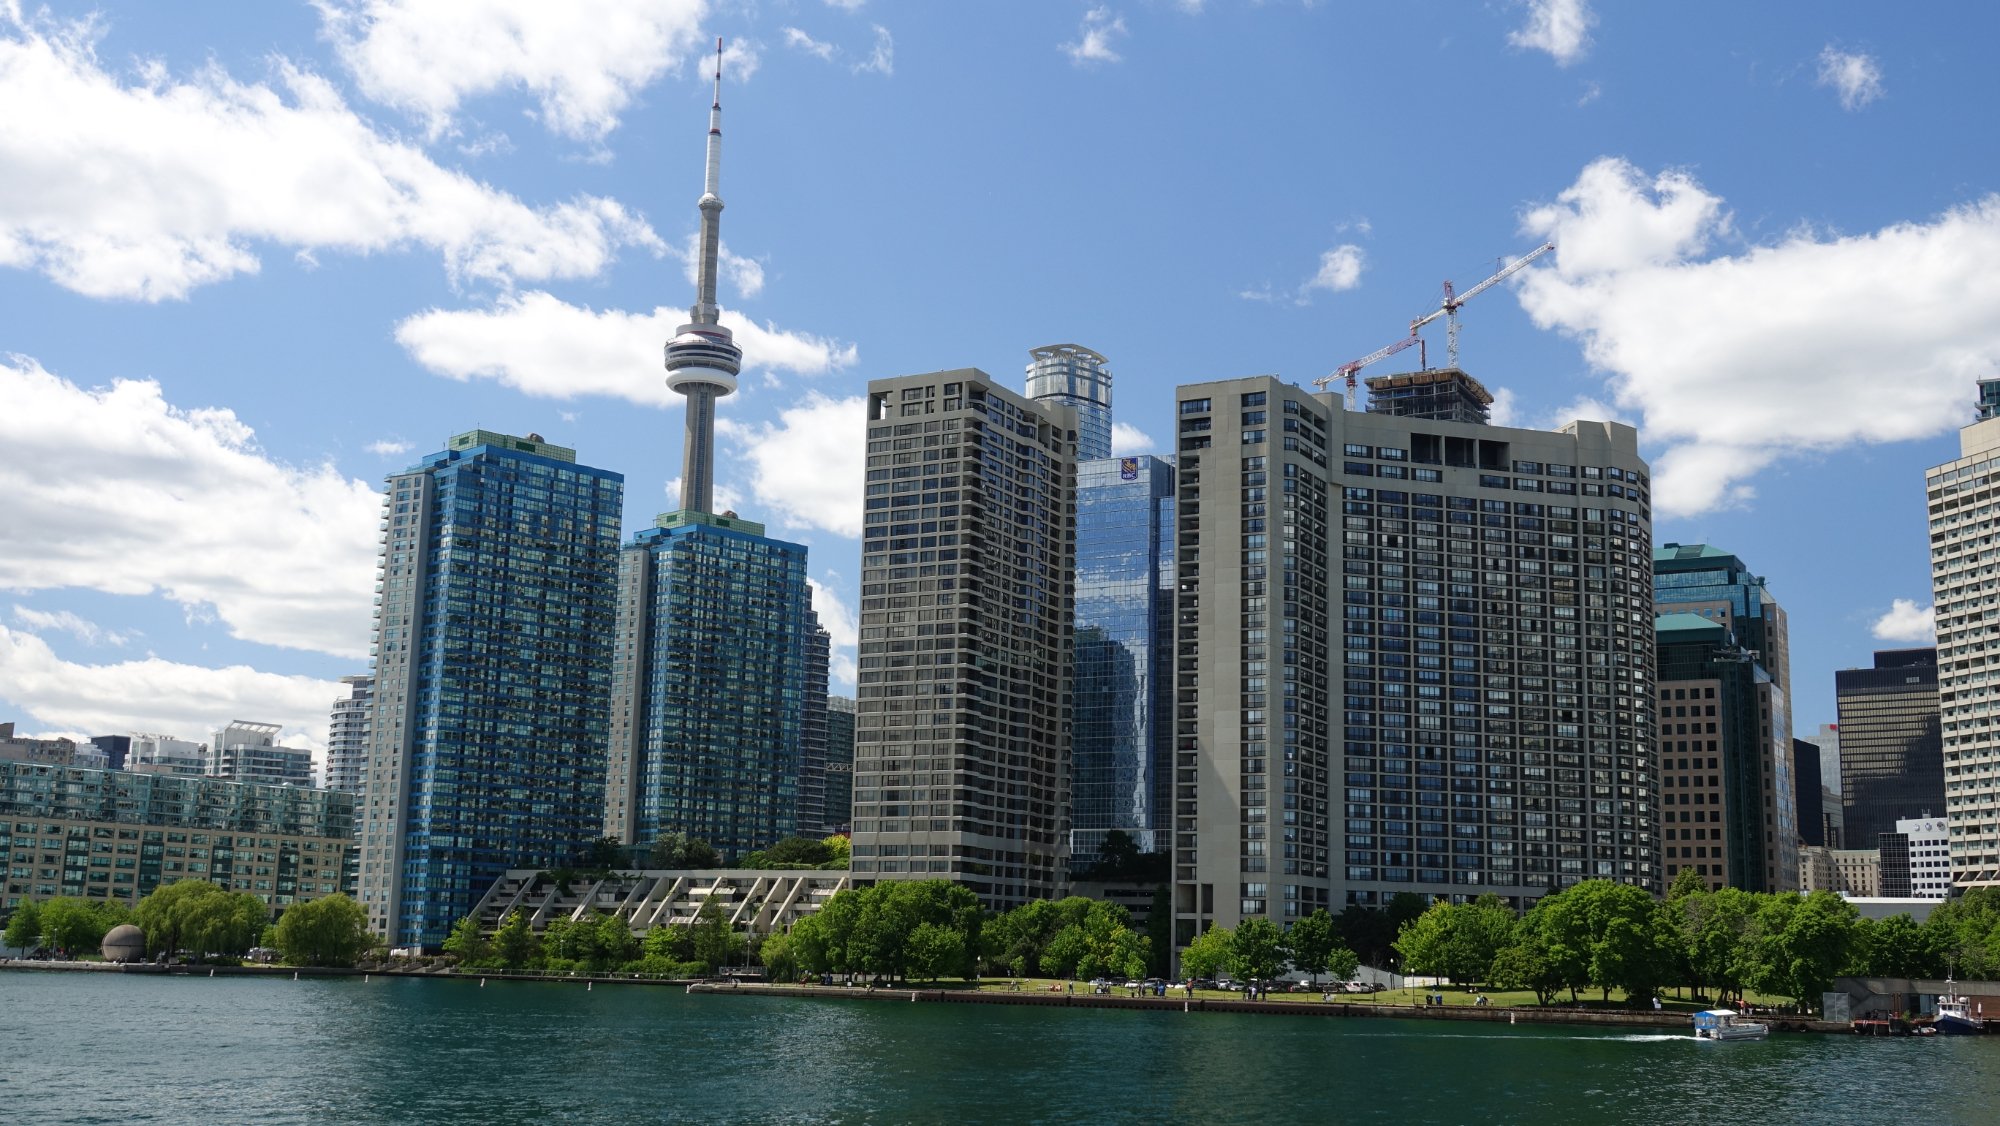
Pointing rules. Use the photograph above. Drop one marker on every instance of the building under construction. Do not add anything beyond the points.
(1444, 394)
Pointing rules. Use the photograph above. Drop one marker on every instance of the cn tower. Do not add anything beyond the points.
(702, 358)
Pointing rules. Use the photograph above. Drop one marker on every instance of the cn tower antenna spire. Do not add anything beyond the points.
(702, 358)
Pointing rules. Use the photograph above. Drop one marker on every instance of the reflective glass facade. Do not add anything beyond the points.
(492, 676)
(714, 659)
(1124, 643)
(1891, 743)
(839, 764)
(1070, 375)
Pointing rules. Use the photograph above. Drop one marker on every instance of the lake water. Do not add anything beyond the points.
(88, 1048)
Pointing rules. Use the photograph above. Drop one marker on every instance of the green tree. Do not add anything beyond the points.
(1211, 952)
(201, 918)
(1561, 927)
(1688, 883)
(1259, 949)
(1713, 927)
(839, 852)
(515, 944)
(1457, 941)
(75, 926)
(716, 943)
(1965, 932)
(1796, 944)
(1898, 947)
(612, 943)
(24, 927)
(1525, 964)
(330, 931)
(603, 854)
(935, 951)
(792, 852)
(678, 852)
(780, 959)
(1365, 930)
(1310, 945)
(466, 942)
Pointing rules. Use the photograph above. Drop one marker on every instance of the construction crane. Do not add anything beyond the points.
(1348, 369)
(1449, 310)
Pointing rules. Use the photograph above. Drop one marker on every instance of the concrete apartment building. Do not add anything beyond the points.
(1411, 653)
(347, 735)
(250, 752)
(1964, 503)
(117, 835)
(961, 751)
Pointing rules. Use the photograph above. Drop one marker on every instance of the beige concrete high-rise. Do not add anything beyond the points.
(961, 743)
(1965, 585)
(1411, 654)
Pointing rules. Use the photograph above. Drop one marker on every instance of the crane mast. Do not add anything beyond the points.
(1452, 301)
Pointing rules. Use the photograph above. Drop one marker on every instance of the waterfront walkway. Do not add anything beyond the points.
(1601, 1018)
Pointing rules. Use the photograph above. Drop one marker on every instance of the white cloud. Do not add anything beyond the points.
(799, 39)
(1093, 45)
(582, 60)
(882, 58)
(842, 629)
(148, 188)
(809, 465)
(745, 274)
(388, 447)
(1857, 78)
(88, 632)
(1339, 268)
(1882, 334)
(724, 497)
(539, 344)
(846, 5)
(156, 695)
(739, 61)
(1560, 27)
(129, 494)
(1907, 621)
(1128, 439)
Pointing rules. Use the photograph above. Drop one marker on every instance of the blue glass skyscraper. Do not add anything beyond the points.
(492, 676)
(710, 684)
(1124, 638)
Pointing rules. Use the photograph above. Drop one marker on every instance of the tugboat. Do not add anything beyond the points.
(1726, 1024)
(1952, 1017)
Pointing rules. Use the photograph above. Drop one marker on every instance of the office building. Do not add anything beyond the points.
(839, 764)
(718, 654)
(1964, 522)
(116, 748)
(1829, 755)
(1070, 375)
(1807, 790)
(1852, 872)
(58, 751)
(1916, 859)
(1754, 743)
(164, 754)
(117, 835)
(347, 736)
(961, 743)
(250, 752)
(492, 676)
(1122, 735)
(1891, 749)
(1410, 655)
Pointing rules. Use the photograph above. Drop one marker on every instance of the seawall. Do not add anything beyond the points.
(1600, 1018)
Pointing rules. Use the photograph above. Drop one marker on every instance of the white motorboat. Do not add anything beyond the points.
(1952, 1017)
(1727, 1024)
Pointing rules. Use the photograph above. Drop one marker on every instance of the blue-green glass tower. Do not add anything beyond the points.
(714, 656)
(492, 676)
(1124, 640)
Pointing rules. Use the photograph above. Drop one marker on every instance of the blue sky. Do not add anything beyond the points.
(255, 257)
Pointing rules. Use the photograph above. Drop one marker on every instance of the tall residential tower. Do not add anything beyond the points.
(1964, 518)
(1070, 375)
(961, 744)
(492, 676)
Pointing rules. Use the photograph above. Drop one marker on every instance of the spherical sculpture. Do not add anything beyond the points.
(124, 943)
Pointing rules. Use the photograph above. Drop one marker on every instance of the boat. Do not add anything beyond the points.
(1726, 1024)
(1952, 1018)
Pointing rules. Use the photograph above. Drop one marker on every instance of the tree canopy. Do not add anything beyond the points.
(329, 931)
